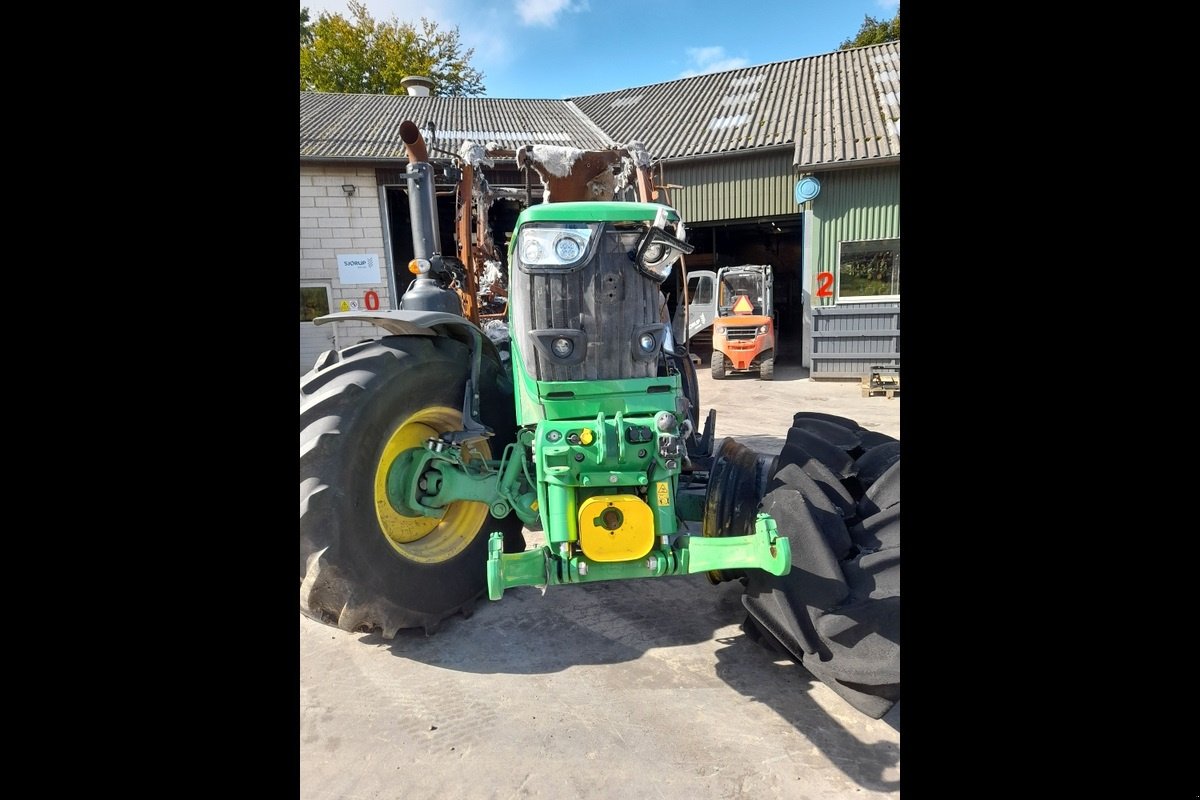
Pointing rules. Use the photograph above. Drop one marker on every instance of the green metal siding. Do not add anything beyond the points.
(733, 188)
(853, 204)
(850, 338)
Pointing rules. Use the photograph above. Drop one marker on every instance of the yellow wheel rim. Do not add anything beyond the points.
(429, 540)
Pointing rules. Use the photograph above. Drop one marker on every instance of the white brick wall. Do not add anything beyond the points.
(332, 224)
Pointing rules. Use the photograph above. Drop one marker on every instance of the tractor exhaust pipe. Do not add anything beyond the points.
(421, 200)
(427, 291)
(414, 143)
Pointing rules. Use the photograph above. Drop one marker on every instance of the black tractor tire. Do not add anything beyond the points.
(838, 611)
(845, 422)
(364, 567)
(766, 369)
(717, 365)
(690, 386)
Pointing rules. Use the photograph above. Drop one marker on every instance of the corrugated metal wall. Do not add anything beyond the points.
(734, 188)
(853, 204)
(850, 338)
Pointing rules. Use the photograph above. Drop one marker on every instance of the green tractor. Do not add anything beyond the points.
(425, 454)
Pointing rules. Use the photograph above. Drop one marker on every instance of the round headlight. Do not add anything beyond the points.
(567, 248)
(562, 347)
(646, 342)
(532, 251)
(654, 253)
(762, 329)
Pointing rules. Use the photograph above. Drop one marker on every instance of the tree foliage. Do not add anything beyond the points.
(874, 31)
(306, 34)
(360, 55)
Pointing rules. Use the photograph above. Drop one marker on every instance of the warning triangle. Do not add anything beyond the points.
(742, 305)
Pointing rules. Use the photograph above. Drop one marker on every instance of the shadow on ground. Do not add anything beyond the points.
(620, 623)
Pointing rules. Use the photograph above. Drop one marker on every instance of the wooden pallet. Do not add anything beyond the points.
(882, 381)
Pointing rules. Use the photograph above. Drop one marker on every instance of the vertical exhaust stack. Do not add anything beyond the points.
(414, 143)
(421, 197)
(425, 293)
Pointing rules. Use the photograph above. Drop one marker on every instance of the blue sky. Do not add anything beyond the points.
(552, 49)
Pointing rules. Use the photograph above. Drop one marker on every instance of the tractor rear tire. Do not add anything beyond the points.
(717, 366)
(838, 611)
(690, 387)
(363, 566)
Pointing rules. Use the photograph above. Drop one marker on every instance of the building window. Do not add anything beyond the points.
(314, 302)
(869, 270)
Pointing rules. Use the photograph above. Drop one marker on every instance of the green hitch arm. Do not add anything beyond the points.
(530, 568)
(764, 549)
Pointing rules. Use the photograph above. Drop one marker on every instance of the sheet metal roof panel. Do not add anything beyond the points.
(837, 107)
(850, 108)
(701, 115)
(368, 126)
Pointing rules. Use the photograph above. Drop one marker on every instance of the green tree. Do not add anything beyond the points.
(874, 31)
(360, 55)
(306, 34)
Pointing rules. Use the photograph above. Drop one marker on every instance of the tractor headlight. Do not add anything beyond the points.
(647, 342)
(568, 248)
(562, 347)
(658, 251)
(554, 245)
(532, 250)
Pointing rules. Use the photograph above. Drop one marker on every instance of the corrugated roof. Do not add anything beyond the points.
(833, 109)
(367, 126)
(838, 107)
(703, 115)
(850, 106)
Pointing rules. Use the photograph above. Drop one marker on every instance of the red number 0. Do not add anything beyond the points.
(824, 284)
(371, 300)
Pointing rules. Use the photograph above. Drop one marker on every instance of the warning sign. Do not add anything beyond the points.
(742, 305)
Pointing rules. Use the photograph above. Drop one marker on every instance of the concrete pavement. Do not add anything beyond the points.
(623, 689)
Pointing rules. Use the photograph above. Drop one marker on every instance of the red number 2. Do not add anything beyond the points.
(824, 284)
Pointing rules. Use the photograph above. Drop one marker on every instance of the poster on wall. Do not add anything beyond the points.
(359, 268)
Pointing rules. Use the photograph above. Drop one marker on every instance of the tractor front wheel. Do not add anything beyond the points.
(363, 565)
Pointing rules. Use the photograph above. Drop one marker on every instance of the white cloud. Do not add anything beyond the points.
(888, 5)
(710, 59)
(409, 11)
(546, 12)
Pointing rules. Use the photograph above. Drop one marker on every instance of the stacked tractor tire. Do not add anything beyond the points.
(835, 492)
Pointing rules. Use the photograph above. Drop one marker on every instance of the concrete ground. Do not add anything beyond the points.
(632, 689)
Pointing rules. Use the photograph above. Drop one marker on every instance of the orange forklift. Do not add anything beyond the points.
(743, 337)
